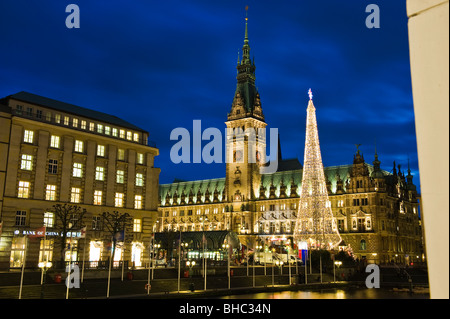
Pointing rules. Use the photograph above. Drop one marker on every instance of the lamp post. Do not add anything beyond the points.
(289, 262)
(44, 265)
(258, 248)
(227, 246)
(279, 264)
(273, 265)
(337, 263)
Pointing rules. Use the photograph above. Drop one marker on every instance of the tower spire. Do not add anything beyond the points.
(246, 89)
(246, 47)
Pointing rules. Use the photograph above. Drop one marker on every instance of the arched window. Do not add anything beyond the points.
(362, 245)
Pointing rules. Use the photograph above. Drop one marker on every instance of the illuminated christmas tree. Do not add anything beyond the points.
(315, 224)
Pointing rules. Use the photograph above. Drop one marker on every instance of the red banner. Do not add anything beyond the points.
(40, 232)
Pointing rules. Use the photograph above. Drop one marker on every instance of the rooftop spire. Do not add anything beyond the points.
(246, 47)
(246, 75)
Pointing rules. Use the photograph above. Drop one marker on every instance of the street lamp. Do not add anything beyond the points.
(44, 265)
(227, 246)
(337, 263)
(279, 264)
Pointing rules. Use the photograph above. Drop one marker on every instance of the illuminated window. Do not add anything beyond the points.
(49, 219)
(107, 130)
(79, 146)
(50, 192)
(101, 150)
(28, 136)
(26, 162)
(114, 132)
(24, 189)
(121, 154)
(57, 118)
(83, 125)
(77, 170)
(122, 134)
(91, 126)
(66, 120)
(118, 200)
(137, 225)
(48, 116)
(137, 202)
(136, 137)
(75, 195)
(99, 173)
(100, 128)
(120, 176)
(140, 158)
(75, 122)
(129, 135)
(98, 197)
(139, 179)
(54, 141)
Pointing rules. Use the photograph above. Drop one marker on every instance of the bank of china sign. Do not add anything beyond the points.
(40, 233)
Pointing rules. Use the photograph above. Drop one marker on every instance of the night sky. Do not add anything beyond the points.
(162, 64)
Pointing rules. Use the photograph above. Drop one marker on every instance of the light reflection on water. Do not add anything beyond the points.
(334, 293)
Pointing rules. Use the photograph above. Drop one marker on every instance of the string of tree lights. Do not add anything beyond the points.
(315, 224)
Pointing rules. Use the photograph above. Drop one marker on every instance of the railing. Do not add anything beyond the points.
(101, 264)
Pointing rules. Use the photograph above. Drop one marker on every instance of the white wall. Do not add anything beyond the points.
(429, 56)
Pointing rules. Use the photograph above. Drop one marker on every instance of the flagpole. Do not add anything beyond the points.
(253, 266)
(23, 267)
(247, 257)
(150, 264)
(84, 256)
(229, 249)
(123, 252)
(179, 261)
(204, 256)
(109, 270)
(43, 257)
(153, 257)
(70, 265)
(306, 266)
(289, 264)
(320, 268)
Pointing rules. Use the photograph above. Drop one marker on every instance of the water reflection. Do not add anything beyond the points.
(333, 293)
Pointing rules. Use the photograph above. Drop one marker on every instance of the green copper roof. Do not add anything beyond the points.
(287, 177)
(195, 187)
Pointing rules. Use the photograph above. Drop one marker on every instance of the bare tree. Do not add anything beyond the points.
(68, 219)
(115, 224)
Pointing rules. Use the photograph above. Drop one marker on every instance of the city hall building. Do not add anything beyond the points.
(376, 211)
(55, 153)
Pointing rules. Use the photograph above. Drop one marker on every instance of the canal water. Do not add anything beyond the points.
(334, 293)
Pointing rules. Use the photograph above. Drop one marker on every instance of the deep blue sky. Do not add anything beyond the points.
(162, 64)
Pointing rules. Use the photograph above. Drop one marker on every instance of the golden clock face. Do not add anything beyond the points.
(237, 156)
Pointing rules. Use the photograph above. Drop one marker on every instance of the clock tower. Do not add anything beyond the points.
(245, 144)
